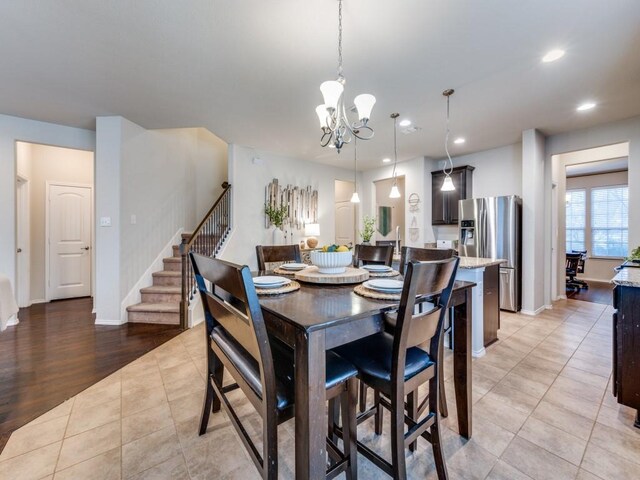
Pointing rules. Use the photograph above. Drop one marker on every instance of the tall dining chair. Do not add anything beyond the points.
(372, 255)
(262, 367)
(395, 366)
(277, 253)
(409, 254)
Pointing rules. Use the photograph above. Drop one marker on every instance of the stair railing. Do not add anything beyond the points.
(207, 239)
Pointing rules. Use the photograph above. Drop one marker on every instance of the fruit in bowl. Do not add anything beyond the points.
(332, 258)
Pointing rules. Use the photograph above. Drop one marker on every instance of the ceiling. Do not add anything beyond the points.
(249, 70)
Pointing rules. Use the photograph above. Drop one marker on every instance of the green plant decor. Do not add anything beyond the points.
(276, 215)
(635, 255)
(368, 228)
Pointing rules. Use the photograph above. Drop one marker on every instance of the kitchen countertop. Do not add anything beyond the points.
(479, 262)
(627, 277)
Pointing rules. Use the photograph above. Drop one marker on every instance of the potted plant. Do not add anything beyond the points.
(635, 255)
(368, 228)
(277, 217)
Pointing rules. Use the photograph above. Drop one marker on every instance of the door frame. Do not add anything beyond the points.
(23, 233)
(47, 247)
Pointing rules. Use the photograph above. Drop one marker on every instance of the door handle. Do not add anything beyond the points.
(85, 248)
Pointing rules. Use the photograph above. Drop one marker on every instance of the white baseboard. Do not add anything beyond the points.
(37, 300)
(480, 353)
(562, 297)
(106, 321)
(533, 313)
(13, 320)
(146, 280)
(548, 307)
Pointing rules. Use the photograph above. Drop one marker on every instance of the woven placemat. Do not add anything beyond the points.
(367, 292)
(392, 273)
(289, 287)
(283, 271)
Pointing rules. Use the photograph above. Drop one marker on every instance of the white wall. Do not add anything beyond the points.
(608, 134)
(596, 268)
(533, 221)
(13, 129)
(498, 172)
(152, 175)
(248, 181)
(48, 164)
(413, 172)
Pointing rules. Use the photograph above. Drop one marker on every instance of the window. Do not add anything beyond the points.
(609, 221)
(576, 219)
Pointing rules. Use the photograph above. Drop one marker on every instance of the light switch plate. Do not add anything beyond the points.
(105, 221)
(133, 219)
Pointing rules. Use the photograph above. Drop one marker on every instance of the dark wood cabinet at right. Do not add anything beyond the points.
(626, 346)
(444, 205)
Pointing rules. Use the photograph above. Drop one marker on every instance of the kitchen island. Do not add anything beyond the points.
(626, 339)
(485, 273)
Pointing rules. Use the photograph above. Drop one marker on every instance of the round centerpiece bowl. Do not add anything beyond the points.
(331, 262)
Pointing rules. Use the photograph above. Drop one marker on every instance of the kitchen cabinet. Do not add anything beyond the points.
(444, 205)
(625, 383)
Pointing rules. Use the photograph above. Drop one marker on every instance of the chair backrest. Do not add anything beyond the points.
(410, 254)
(381, 243)
(422, 282)
(277, 253)
(573, 259)
(583, 259)
(232, 304)
(373, 255)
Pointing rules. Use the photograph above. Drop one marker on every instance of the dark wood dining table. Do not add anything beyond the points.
(317, 318)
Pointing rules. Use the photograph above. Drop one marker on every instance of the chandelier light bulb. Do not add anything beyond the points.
(331, 92)
(323, 116)
(364, 103)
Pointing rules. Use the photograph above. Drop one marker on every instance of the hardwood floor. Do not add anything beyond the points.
(57, 351)
(598, 292)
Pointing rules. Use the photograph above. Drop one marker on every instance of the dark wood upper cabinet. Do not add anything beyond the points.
(444, 205)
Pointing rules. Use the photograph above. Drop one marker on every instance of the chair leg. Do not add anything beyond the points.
(436, 441)
(217, 369)
(444, 410)
(379, 415)
(206, 407)
(397, 437)
(349, 427)
(334, 412)
(363, 397)
(270, 446)
(412, 411)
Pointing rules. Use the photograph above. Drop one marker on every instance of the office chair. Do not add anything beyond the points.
(572, 265)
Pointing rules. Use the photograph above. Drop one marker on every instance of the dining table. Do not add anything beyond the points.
(317, 318)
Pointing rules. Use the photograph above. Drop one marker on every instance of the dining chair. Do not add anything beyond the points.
(262, 367)
(395, 365)
(277, 253)
(372, 255)
(407, 255)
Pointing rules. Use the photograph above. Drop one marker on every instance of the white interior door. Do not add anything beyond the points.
(69, 235)
(22, 242)
(345, 223)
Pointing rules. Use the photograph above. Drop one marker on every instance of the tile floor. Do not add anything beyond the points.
(542, 410)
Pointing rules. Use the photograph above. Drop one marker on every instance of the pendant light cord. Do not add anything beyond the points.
(395, 148)
(446, 145)
(355, 163)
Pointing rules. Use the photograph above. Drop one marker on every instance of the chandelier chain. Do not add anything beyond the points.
(340, 38)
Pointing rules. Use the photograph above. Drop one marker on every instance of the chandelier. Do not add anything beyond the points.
(336, 128)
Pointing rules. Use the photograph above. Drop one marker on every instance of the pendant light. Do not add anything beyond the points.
(355, 198)
(447, 184)
(395, 193)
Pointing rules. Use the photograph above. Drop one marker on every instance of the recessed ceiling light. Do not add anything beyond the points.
(386, 160)
(459, 140)
(553, 55)
(404, 123)
(586, 106)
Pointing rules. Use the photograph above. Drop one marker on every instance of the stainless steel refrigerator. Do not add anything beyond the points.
(492, 228)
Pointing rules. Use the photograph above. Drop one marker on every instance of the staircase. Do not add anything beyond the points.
(161, 301)
(167, 300)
